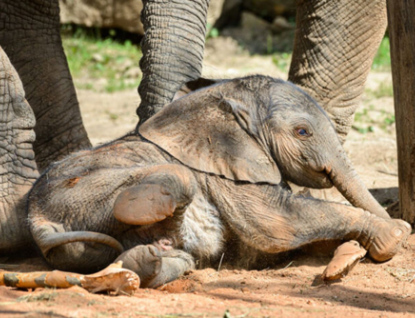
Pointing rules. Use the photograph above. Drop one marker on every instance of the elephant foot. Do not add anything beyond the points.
(145, 260)
(386, 238)
(155, 267)
(345, 258)
(175, 263)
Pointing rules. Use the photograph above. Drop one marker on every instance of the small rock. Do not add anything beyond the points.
(245, 290)
(253, 24)
(96, 57)
(281, 24)
(133, 72)
(78, 290)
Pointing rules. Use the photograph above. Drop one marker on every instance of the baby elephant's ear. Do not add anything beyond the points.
(194, 85)
(204, 133)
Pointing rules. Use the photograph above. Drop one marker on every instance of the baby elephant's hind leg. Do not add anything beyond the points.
(156, 267)
(76, 251)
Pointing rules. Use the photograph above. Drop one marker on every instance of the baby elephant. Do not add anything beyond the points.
(205, 176)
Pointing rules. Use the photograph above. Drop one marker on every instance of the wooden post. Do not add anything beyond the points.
(401, 18)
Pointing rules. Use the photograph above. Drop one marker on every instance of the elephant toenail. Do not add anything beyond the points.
(397, 232)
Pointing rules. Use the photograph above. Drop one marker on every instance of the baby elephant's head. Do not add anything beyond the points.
(258, 129)
(302, 139)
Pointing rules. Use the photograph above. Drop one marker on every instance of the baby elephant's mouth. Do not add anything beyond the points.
(325, 181)
(322, 178)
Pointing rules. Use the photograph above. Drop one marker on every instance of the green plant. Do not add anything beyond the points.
(363, 130)
(388, 120)
(361, 116)
(112, 116)
(282, 61)
(211, 32)
(368, 119)
(92, 57)
(382, 60)
(385, 89)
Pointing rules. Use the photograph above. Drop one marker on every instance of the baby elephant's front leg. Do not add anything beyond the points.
(321, 220)
(156, 267)
(272, 220)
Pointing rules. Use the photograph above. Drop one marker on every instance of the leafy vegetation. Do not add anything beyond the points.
(369, 119)
(282, 61)
(101, 63)
(211, 32)
(385, 89)
(382, 60)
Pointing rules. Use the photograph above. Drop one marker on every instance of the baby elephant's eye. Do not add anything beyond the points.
(302, 132)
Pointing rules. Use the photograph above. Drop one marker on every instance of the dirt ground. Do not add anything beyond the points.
(291, 289)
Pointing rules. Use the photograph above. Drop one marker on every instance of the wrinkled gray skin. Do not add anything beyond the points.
(210, 214)
(335, 44)
(18, 166)
(205, 176)
(30, 36)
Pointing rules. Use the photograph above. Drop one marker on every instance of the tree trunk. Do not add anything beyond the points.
(402, 36)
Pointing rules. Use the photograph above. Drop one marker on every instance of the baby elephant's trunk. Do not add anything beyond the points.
(346, 180)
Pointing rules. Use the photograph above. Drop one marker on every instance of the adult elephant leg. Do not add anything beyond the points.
(334, 47)
(172, 47)
(30, 35)
(18, 167)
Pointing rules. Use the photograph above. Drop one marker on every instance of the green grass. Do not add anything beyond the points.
(385, 89)
(369, 119)
(92, 58)
(282, 61)
(211, 32)
(99, 63)
(382, 60)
